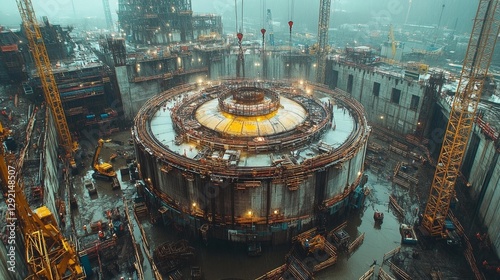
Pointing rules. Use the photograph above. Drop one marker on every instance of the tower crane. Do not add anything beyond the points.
(474, 72)
(48, 254)
(323, 26)
(107, 15)
(270, 27)
(392, 41)
(44, 68)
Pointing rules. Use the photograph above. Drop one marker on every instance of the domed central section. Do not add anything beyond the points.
(247, 111)
(249, 101)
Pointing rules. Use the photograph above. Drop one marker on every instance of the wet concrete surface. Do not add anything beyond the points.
(93, 207)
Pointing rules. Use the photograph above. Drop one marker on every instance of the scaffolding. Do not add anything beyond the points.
(164, 21)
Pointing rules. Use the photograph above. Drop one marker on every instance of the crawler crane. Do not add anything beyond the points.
(474, 72)
(48, 254)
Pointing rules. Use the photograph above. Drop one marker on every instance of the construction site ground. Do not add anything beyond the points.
(429, 259)
(96, 209)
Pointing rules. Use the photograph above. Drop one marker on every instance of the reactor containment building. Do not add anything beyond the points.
(250, 160)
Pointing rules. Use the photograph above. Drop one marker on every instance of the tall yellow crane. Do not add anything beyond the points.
(44, 68)
(48, 254)
(392, 41)
(475, 69)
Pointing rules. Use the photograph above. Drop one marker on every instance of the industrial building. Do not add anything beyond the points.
(246, 140)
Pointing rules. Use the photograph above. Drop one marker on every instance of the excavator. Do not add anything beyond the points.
(314, 244)
(103, 171)
(48, 254)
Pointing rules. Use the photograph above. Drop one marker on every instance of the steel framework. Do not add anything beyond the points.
(475, 68)
(107, 15)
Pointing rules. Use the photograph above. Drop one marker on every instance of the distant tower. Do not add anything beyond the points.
(107, 14)
(323, 26)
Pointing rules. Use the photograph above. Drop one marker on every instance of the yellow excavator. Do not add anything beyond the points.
(104, 170)
(314, 244)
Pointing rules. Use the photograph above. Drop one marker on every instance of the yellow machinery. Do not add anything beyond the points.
(44, 68)
(474, 72)
(322, 51)
(48, 254)
(102, 170)
(314, 244)
(393, 42)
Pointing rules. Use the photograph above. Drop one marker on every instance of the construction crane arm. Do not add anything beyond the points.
(474, 72)
(48, 254)
(44, 69)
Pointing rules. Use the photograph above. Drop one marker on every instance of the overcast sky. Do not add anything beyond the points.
(302, 12)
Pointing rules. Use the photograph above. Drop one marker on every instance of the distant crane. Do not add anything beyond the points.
(392, 41)
(323, 26)
(474, 73)
(107, 15)
(408, 12)
(270, 27)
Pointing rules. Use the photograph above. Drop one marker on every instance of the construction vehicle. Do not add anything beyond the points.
(463, 110)
(44, 69)
(48, 254)
(314, 244)
(104, 170)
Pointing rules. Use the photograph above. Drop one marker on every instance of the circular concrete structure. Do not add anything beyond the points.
(248, 160)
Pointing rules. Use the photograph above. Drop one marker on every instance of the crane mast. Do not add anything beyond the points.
(323, 26)
(107, 15)
(475, 68)
(270, 27)
(392, 41)
(44, 69)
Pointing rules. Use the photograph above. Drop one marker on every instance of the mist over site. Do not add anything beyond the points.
(456, 14)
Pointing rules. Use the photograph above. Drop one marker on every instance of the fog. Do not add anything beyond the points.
(304, 13)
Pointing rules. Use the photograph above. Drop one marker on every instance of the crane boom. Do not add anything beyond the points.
(323, 26)
(107, 15)
(44, 68)
(475, 68)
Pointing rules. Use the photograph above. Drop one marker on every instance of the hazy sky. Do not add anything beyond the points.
(302, 12)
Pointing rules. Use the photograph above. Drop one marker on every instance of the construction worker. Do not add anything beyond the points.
(101, 234)
(85, 229)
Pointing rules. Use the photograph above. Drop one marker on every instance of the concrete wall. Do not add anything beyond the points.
(482, 165)
(485, 185)
(274, 66)
(134, 95)
(52, 165)
(401, 116)
(490, 206)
